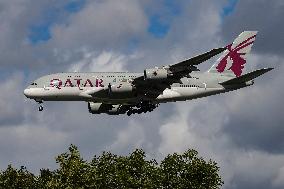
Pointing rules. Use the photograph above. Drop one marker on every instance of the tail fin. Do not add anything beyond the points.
(233, 60)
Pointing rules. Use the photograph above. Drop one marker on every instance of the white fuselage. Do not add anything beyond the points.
(76, 94)
(82, 86)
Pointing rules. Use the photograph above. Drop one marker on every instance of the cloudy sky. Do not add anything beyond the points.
(243, 130)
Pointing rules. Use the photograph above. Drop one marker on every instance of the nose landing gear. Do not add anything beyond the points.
(40, 108)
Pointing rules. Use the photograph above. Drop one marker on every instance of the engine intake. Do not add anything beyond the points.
(156, 74)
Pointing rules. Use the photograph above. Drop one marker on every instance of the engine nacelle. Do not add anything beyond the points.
(98, 108)
(122, 90)
(156, 74)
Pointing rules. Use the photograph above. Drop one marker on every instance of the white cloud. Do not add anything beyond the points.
(104, 61)
(255, 168)
(102, 23)
(129, 138)
(279, 180)
(31, 146)
(11, 99)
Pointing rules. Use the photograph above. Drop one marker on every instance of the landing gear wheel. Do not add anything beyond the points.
(40, 108)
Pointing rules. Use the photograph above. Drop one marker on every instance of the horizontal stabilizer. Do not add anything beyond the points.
(247, 77)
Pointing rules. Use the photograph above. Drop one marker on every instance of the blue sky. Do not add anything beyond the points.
(158, 27)
(40, 31)
(229, 9)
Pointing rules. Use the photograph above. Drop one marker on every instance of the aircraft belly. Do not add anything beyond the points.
(75, 94)
(56, 94)
(188, 93)
(125, 101)
(169, 94)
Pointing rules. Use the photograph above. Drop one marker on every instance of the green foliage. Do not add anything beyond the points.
(111, 171)
(18, 179)
(189, 171)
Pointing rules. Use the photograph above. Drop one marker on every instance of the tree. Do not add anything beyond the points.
(17, 179)
(186, 170)
(189, 171)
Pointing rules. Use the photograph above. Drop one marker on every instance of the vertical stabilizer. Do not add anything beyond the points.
(233, 60)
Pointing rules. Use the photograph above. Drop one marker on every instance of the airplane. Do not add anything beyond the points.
(116, 93)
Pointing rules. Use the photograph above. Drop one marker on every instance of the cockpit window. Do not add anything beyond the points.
(34, 84)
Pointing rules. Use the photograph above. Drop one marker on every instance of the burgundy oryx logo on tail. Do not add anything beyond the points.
(234, 54)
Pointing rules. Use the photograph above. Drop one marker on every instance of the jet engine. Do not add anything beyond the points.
(98, 108)
(121, 90)
(156, 74)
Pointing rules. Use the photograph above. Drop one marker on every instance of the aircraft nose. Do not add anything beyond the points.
(27, 93)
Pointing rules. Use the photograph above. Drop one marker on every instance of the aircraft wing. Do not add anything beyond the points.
(156, 80)
(185, 67)
(199, 59)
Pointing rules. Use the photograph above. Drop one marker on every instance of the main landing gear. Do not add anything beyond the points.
(142, 107)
